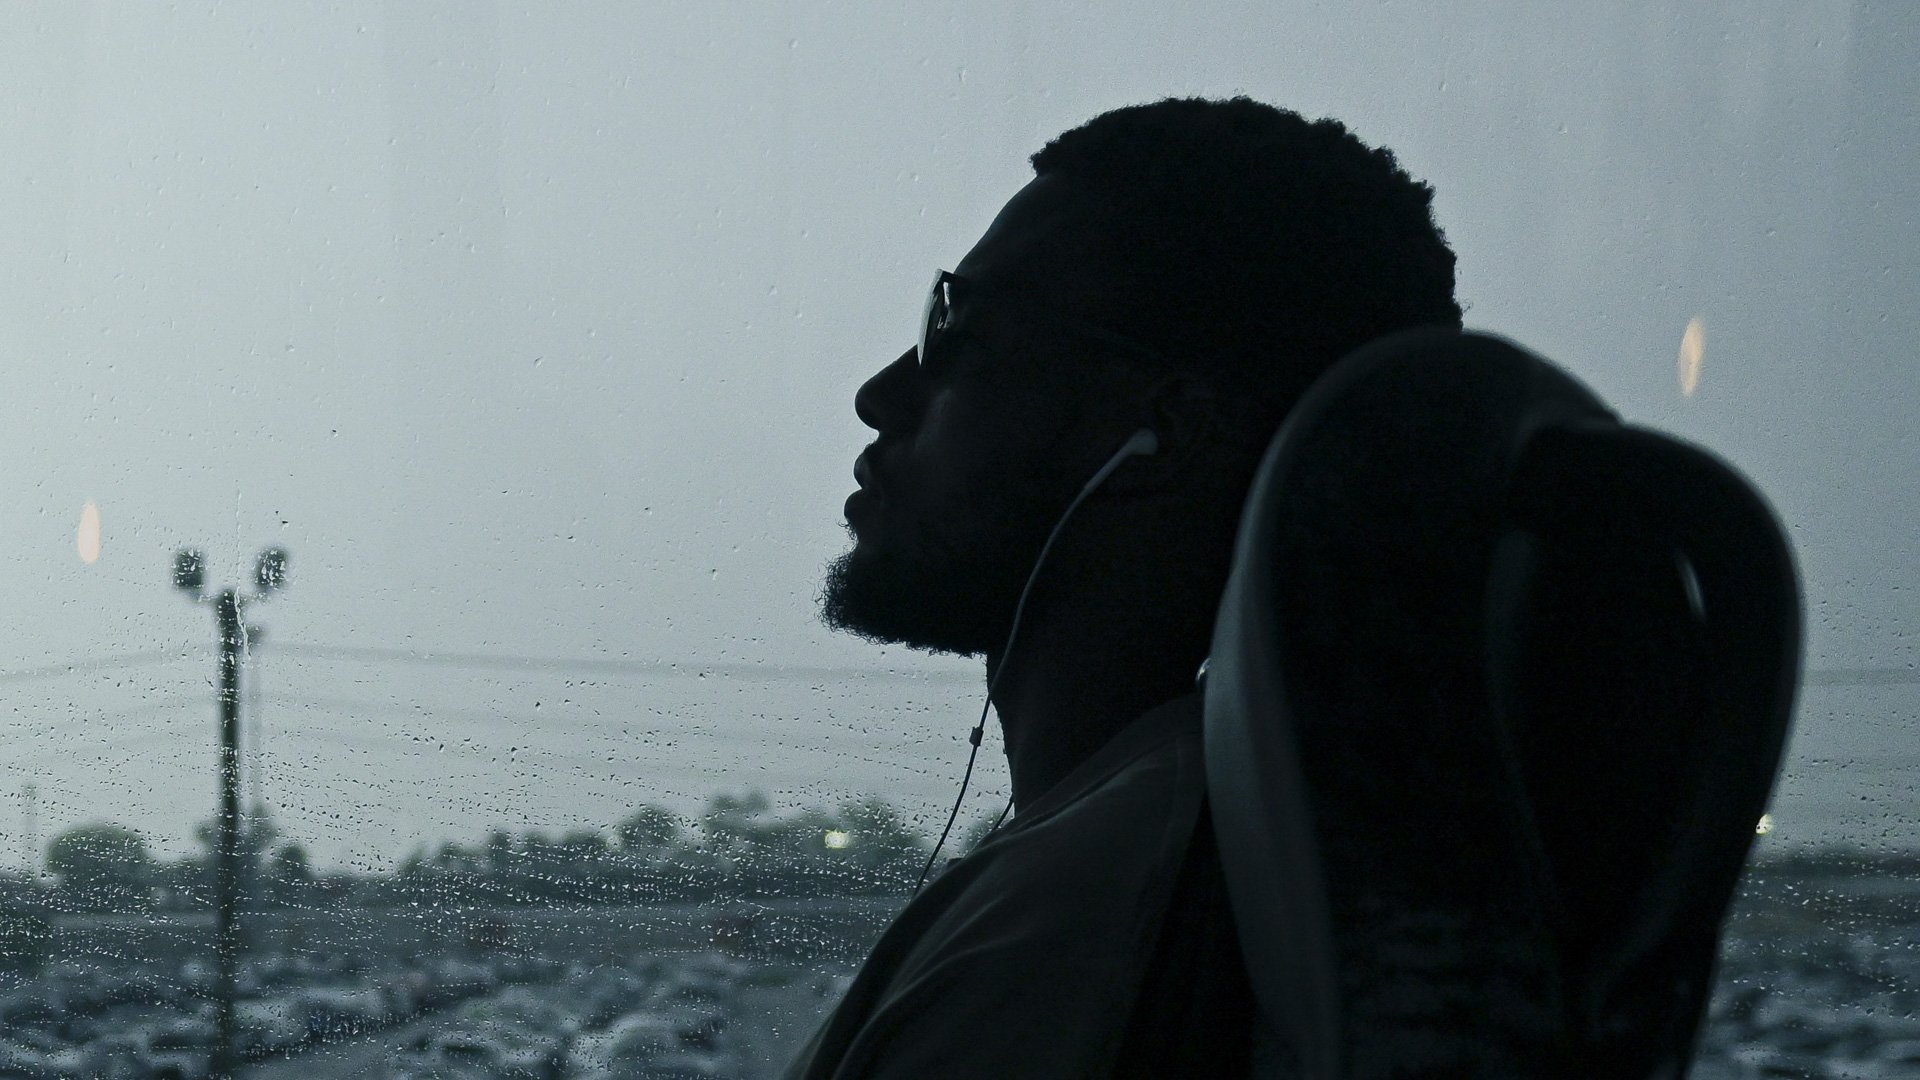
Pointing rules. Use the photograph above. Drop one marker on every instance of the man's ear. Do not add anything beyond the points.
(1186, 417)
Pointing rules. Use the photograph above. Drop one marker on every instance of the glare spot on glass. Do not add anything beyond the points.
(87, 540)
(1693, 348)
(1765, 826)
(837, 838)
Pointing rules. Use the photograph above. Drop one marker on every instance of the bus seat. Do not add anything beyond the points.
(1499, 688)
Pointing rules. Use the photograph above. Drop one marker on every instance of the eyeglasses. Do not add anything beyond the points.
(938, 318)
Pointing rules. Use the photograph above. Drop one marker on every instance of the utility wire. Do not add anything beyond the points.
(1850, 676)
(295, 722)
(731, 669)
(81, 735)
(1863, 677)
(102, 663)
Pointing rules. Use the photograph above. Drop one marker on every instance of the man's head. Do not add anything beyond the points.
(1190, 266)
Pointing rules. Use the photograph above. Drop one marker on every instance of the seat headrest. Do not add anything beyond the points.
(1492, 661)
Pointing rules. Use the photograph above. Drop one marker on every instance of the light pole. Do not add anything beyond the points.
(190, 576)
(252, 735)
(253, 803)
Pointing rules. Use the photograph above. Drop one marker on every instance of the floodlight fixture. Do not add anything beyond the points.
(270, 571)
(189, 572)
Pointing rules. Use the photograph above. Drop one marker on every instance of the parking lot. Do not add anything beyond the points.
(1818, 977)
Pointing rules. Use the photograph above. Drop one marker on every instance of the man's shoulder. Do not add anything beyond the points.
(1157, 754)
(1091, 864)
(1047, 927)
(1128, 805)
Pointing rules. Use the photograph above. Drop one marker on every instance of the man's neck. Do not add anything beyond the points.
(1074, 680)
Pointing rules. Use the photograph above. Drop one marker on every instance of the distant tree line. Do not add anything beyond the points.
(740, 847)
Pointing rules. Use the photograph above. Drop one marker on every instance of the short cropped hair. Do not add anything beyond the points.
(1248, 238)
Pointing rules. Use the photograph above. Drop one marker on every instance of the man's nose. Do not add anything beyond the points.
(888, 401)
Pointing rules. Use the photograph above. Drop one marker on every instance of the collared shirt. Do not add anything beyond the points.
(1090, 938)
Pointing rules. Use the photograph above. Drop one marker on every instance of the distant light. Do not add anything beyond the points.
(1765, 826)
(1693, 349)
(88, 538)
(837, 839)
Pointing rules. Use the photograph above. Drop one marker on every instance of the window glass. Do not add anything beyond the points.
(529, 333)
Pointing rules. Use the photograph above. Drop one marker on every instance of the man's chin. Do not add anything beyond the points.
(889, 602)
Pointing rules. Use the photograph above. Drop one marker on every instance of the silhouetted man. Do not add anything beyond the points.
(1186, 268)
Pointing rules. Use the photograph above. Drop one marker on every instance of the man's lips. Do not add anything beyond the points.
(862, 503)
(859, 505)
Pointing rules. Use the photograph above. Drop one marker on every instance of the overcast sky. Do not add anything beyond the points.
(532, 329)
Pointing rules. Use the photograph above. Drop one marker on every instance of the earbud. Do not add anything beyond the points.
(1142, 443)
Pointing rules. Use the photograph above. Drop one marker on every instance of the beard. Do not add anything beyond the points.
(949, 590)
